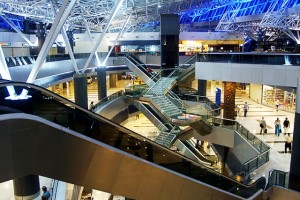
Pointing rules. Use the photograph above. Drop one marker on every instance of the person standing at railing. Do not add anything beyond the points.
(262, 125)
(91, 106)
(246, 108)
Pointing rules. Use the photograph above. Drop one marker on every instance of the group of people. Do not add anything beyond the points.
(277, 123)
(278, 130)
(286, 126)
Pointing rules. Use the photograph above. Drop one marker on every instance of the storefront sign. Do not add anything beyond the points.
(5, 44)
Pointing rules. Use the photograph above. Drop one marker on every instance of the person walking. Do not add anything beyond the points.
(277, 104)
(277, 127)
(288, 143)
(246, 108)
(262, 125)
(286, 125)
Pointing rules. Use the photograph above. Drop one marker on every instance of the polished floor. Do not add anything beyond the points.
(278, 159)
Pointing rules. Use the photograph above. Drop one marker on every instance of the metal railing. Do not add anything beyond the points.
(258, 144)
(255, 163)
(136, 90)
(251, 58)
(107, 99)
(159, 76)
(277, 177)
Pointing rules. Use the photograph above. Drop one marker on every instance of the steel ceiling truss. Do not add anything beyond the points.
(278, 17)
(228, 19)
(146, 12)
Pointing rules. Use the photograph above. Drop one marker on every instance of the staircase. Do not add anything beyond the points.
(167, 106)
(162, 86)
(165, 139)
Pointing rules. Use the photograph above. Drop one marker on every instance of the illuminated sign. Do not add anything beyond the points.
(5, 44)
(25, 45)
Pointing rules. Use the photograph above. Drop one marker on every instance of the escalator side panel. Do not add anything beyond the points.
(59, 153)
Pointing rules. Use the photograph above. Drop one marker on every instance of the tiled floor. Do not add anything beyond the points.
(143, 126)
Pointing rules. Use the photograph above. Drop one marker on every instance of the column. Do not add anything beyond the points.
(101, 77)
(27, 187)
(212, 87)
(169, 41)
(229, 100)
(80, 90)
(113, 80)
(202, 87)
(294, 180)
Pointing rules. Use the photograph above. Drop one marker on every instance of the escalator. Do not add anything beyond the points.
(188, 69)
(83, 148)
(196, 153)
(138, 68)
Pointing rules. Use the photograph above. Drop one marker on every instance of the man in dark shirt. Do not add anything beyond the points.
(286, 125)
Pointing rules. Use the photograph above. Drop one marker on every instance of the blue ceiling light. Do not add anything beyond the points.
(17, 20)
(214, 12)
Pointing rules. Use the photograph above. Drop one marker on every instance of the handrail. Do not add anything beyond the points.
(150, 89)
(257, 158)
(277, 177)
(54, 187)
(237, 124)
(190, 59)
(106, 99)
(263, 151)
(172, 94)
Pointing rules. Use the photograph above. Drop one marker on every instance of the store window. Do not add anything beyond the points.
(286, 99)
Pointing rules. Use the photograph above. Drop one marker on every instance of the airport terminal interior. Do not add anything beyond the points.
(149, 99)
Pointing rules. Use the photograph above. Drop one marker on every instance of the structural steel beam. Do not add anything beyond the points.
(59, 21)
(99, 40)
(7, 20)
(116, 40)
(64, 34)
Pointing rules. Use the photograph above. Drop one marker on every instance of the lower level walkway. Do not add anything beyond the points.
(278, 159)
